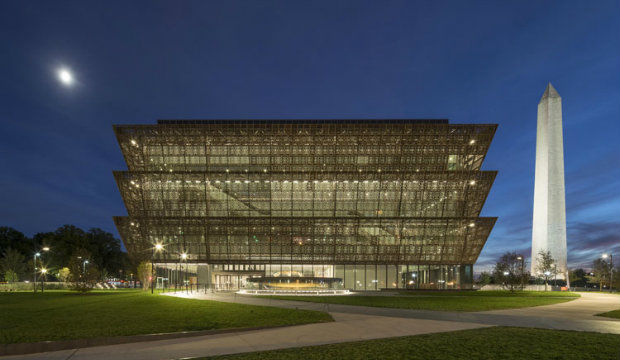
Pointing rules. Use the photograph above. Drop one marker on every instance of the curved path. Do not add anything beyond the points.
(353, 323)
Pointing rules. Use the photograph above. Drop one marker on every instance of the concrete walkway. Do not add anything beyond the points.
(353, 323)
(347, 327)
(578, 315)
(584, 308)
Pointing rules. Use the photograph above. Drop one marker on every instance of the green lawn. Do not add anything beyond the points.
(612, 314)
(489, 343)
(61, 315)
(493, 293)
(446, 301)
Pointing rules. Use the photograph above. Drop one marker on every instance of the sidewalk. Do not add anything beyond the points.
(352, 323)
(577, 315)
(347, 327)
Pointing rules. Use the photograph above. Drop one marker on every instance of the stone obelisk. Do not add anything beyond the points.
(549, 225)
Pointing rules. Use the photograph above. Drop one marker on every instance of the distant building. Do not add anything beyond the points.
(549, 223)
(356, 204)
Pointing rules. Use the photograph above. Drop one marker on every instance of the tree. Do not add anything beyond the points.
(64, 274)
(14, 262)
(145, 274)
(13, 239)
(510, 272)
(546, 266)
(10, 276)
(484, 279)
(83, 275)
(600, 270)
(578, 277)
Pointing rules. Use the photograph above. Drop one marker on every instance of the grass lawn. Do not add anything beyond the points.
(62, 315)
(488, 343)
(612, 314)
(493, 293)
(446, 301)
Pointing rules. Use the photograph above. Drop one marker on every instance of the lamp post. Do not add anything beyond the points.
(520, 257)
(547, 273)
(611, 270)
(184, 257)
(84, 268)
(156, 248)
(43, 272)
(34, 265)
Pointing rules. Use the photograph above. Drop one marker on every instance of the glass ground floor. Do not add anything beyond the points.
(361, 277)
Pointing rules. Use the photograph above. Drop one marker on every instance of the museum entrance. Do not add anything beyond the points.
(232, 281)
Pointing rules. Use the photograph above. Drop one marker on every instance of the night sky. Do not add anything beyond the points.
(471, 62)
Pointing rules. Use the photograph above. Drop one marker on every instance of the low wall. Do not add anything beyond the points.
(27, 286)
(527, 287)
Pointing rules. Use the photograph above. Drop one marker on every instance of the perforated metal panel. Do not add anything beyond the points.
(304, 191)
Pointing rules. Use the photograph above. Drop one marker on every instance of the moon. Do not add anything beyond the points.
(65, 76)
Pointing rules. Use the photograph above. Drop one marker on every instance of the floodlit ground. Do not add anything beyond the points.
(446, 301)
(487, 343)
(62, 315)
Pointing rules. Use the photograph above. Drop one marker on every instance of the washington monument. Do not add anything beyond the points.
(549, 225)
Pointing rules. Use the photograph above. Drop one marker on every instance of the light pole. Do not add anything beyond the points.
(34, 265)
(184, 257)
(611, 270)
(84, 268)
(157, 248)
(520, 257)
(43, 272)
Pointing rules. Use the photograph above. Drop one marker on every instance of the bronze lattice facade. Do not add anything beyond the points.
(398, 200)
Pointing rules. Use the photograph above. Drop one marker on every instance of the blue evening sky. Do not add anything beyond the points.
(471, 62)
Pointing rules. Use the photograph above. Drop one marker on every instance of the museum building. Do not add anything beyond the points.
(303, 204)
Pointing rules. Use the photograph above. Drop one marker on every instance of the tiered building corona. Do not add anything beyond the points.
(355, 204)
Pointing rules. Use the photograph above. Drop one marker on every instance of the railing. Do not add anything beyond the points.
(293, 292)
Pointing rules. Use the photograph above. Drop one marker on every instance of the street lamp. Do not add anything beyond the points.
(520, 257)
(611, 270)
(157, 248)
(184, 257)
(34, 264)
(84, 268)
(43, 272)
